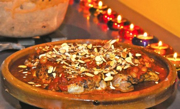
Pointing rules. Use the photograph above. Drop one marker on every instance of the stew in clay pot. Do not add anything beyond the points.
(89, 68)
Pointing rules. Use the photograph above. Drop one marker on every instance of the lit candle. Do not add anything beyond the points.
(175, 59)
(160, 48)
(144, 40)
(100, 4)
(119, 18)
(105, 17)
(144, 36)
(128, 32)
(132, 27)
(85, 6)
(159, 45)
(117, 24)
(98, 8)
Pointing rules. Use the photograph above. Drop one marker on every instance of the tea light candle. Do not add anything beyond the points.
(100, 4)
(160, 48)
(144, 40)
(175, 59)
(98, 8)
(144, 36)
(159, 45)
(117, 24)
(108, 15)
(128, 32)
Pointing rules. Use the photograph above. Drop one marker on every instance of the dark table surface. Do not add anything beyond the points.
(79, 25)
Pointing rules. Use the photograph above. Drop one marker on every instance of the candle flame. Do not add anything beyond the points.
(175, 55)
(119, 18)
(100, 3)
(132, 26)
(160, 43)
(145, 34)
(109, 11)
(87, 17)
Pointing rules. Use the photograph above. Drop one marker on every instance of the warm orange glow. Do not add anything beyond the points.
(131, 26)
(109, 11)
(119, 18)
(87, 17)
(175, 55)
(160, 43)
(89, 1)
(117, 40)
(145, 34)
(100, 3)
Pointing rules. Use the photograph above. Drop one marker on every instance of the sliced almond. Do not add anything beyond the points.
(137, 54)
(54, 75)
(22, 66)
(129, 59)
(30, 82)
(123, 54)
(127, 66)
(81, 61)
(108, 74)
(96, 72)
(119, 68)
(42, 55)
(62, 51)
(50, 69)
(90, 46)
(111, 86)
(108, 78)
(98, 58)
(89, 74)
(95, 50)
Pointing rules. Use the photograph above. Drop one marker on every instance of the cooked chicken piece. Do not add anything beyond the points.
(102, 84)
(75, 89)
(133, 80)
(88, 84)
(126, 86)
(118, 79)
(96, 80)
(150, 76)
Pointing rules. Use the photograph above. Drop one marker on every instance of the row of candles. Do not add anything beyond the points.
(128, 30)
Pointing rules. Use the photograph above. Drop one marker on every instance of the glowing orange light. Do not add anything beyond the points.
(117, 40)
(87, 17)
(119, 18)
(175, 55)
(145, 34)
(160, 43)
(131, 26)
(100, 3)
(109, 11)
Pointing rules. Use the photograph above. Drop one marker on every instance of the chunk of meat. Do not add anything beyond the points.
(75, 89)
(126, 86)
(102, 85)
(96, 80)
(150, 76)
(121, 83)
(118, 78)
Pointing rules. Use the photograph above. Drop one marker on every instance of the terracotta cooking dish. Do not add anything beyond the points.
(42, 98)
